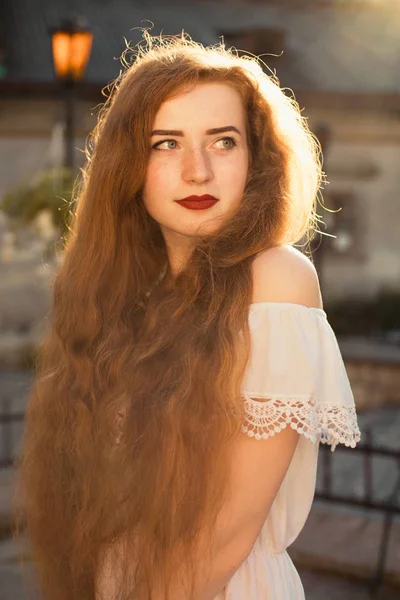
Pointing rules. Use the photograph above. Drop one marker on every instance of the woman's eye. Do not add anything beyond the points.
(156, 146)
(231, 142)
(228, 142)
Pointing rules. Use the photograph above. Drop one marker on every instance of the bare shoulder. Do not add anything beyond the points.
(284, 274)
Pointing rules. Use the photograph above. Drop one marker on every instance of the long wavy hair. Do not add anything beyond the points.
(123, 464)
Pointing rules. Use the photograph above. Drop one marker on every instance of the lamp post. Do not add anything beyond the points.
(71, 45)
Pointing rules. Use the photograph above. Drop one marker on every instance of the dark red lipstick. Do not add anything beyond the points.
(198, 202)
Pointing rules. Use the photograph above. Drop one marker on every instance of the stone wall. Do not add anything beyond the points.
(361, 161)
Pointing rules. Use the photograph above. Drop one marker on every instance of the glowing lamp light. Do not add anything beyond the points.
(71, 45)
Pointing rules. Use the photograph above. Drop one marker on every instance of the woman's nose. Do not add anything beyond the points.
(197, 167)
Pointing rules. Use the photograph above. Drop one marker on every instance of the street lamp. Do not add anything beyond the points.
(71, 45)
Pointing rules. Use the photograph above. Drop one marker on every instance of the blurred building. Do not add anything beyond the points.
(341, 59)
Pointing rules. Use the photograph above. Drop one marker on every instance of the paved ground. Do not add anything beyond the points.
(319, 586)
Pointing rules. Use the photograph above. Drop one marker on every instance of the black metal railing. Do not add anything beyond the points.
(389, 506)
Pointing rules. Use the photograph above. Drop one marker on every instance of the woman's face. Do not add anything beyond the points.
(188, 158)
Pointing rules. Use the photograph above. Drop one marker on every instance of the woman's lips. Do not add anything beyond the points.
(198, 202)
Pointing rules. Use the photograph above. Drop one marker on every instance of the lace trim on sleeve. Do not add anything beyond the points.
(328, 423)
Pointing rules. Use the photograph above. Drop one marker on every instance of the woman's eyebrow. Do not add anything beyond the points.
(179, 133)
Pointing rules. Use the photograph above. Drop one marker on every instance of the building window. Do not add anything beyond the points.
(265, 42)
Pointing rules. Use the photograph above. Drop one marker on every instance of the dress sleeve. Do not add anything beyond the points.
(296, 376)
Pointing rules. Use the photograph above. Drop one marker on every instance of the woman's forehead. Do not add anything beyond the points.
(204, 101)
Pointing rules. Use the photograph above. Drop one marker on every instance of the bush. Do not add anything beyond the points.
(50, 190)
(27, 356)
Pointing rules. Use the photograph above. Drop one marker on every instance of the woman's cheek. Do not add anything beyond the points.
(235, 172)
(155, 175)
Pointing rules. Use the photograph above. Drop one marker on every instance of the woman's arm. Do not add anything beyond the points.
(259, 467)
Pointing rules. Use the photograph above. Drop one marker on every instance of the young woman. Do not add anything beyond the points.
(189, 371)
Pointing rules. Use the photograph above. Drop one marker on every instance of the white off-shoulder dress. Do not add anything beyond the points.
(297, 366)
